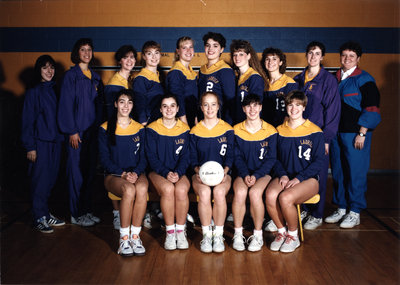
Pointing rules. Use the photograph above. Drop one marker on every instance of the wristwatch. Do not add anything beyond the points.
(361, 134)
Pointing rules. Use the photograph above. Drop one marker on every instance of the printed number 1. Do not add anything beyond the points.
(261, 153)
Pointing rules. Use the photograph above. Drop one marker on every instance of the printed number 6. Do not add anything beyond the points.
(223, 149)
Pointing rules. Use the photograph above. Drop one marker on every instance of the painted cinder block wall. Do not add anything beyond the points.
(34, 27)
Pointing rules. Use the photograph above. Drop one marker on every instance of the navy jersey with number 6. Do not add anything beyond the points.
(215, 144)
(255, 154)
(300, 151)
(168, 149)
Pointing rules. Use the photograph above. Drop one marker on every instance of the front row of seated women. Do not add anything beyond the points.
(283, 162)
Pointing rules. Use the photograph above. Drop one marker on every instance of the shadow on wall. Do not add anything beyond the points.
(13, 164)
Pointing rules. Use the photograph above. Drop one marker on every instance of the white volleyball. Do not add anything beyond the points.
(211, 173)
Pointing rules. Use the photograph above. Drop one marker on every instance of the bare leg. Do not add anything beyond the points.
(181, 200)
(239, 202)
(166, 190)
(272, 203)
(257, 209)
(204, 204)
(219, 194)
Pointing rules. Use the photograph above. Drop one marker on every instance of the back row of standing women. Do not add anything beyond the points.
(77, 118)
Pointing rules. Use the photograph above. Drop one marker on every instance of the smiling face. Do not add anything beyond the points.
(128, 62)
(47, 72)
(186, 51)
(210, 106)
(314, 57)
(85, 54)
(252, 110)
(241, 58)
(295, 109)
(213, 50)
(169, 108)
(349, 59)
(152, 57)
(124, 106)
(272, 63)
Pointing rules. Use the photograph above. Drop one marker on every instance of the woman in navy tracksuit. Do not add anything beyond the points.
(77, 117)
(42, 141)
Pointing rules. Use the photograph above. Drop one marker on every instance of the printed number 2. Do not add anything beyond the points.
(209, 87)
(178, 150)
(223, 149)
(306, 154)
(137, 148)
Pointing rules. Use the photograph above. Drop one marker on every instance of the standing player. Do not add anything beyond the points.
(255, 155)
(77, 119)
(323, 109)
(121, 145)
(250, 75)
(42, 141)
(300, 155)
(217, 76)
(167, 150)
(147, 86)
(211, 139)
(182, 81)
(279, 85)
(350, 153)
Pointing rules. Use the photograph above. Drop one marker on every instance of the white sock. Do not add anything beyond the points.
(179, 228)
(116, 213)
(206, 230)
(282, 230)
(123, 232)
(170, 229)
(258, 233)
(135, 230)
(293, 233)
(342, 211)
(239, 231)
(219, 230)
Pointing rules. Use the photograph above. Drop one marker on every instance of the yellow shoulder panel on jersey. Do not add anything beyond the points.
(221, 64)
(179, 128)
(118, 80)
(305, 129)
(247, 75)
(133, 128)
(281, 82)
(149, 75)
(201, 130)
(265, 131)
(104, 125)
(190, 74)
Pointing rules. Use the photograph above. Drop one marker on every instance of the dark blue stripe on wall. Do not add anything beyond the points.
(108, 39)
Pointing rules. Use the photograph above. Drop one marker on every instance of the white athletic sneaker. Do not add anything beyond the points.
(147, 221)
(137, 246)
(312, 223)
(351, 220)
(336, 216)
(290, 244)
(93, 218)
(230, 218)
(256, 243)
(303, 215)
(125, 248)
(278, 241)
(238, 242)
(218, 243)
(206, 244)
(82, 221)
(170, 241)
(117, 222)
(270, 227)
(181, 240)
